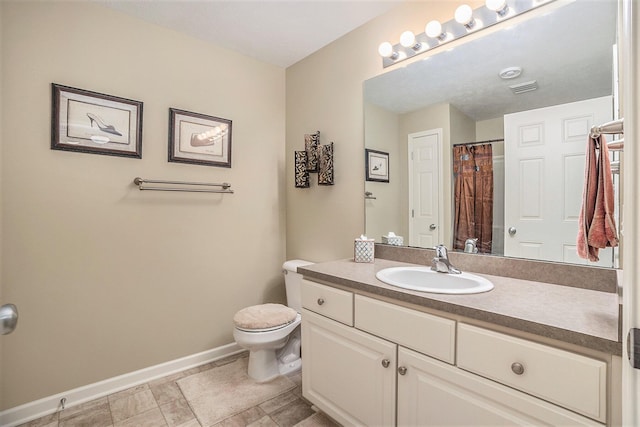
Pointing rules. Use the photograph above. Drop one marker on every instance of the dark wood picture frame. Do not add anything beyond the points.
(376, 165)
(199, 139)
(96, 123)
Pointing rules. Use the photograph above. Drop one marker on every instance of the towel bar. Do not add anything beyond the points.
(613, 127)
(183, 186)
(616, 145)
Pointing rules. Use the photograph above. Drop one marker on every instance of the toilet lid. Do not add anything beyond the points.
(264, 316)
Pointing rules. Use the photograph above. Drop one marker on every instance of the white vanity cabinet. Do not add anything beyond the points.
(349, 374)
(374, 363)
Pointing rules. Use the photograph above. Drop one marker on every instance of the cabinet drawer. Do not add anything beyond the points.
(428, 334)
(576, 382)
(432, 393)
(331, 302)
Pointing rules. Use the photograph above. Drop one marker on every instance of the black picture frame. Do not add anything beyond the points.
(199, 139)
(96, 123)
(376, 165)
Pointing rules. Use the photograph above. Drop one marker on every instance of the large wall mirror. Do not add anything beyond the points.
(516, 104)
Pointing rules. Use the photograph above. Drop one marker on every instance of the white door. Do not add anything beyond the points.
(544, 175)
(425, 188)
(347, 373)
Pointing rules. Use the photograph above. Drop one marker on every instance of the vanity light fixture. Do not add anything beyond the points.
(498, 6)
(433, 29)
(408, 39)
(493, 12)
(464, 16)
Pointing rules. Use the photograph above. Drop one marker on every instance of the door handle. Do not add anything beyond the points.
(512, 231)
(432, 227)
(8, 318)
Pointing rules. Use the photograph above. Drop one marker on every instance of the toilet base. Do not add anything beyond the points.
(265, 365)
(291, 367)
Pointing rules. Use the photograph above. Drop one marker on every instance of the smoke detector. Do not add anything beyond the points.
(510, 73)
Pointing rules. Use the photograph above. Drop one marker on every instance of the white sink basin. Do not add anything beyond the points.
(426, 280)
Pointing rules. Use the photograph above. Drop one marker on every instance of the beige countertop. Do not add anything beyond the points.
(583, 317)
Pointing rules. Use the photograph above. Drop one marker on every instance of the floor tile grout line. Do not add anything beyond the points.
(185, 374)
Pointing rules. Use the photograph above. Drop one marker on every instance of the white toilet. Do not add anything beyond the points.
(271, 332)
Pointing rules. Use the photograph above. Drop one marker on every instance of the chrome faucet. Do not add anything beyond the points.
(441, 262)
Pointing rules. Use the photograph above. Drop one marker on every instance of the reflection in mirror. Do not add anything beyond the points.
(453, 113)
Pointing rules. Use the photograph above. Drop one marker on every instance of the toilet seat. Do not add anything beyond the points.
(264, 317)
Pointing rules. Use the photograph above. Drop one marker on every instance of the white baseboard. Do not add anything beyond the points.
(48, 405)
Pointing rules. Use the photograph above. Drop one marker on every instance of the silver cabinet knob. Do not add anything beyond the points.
(432, 227)
(512, 231)
(517, 368)
(402, 370)
(320, 301)
(386, 363)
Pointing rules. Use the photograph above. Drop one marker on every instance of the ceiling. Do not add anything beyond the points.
(569, 60)
(278, 32)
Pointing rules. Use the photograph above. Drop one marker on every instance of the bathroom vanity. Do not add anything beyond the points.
(525, 353)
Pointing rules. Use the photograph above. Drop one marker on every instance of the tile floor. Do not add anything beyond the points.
(160, 403)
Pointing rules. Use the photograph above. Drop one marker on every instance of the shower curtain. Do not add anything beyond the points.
(473, 198)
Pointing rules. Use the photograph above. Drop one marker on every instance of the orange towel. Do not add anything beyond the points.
(597, 227)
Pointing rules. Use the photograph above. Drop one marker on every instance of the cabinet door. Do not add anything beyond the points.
(348, 374)
(432, 393)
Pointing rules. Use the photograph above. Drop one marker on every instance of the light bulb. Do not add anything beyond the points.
(407, 39)
(498, 6)
(434, 29)
(464, 15)
(386, 51)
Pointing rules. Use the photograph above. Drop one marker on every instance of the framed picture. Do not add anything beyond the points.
(91, 122)
(377, 165)
(199, 139)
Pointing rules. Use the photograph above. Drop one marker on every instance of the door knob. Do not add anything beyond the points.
(386, 363)
(8, 318)
(402, 370)
(432, 227)
(512, 231)
(320, 301)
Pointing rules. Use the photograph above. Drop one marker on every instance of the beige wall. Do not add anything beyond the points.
(386, 212)
(108, 279)
(324, 92)
(490, 129)
(463, 127)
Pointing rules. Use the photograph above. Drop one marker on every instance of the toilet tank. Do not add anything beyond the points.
(293, 282)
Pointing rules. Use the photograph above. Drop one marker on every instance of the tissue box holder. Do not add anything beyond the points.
(395, 240)
(363, 250)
